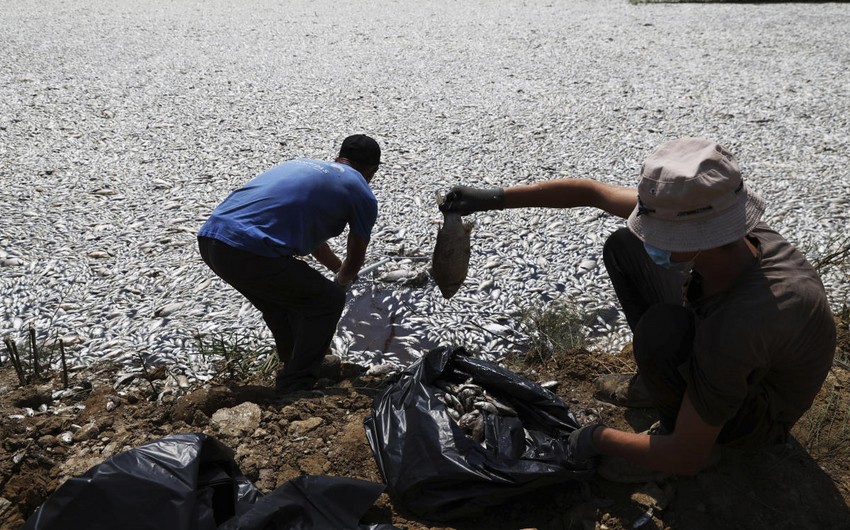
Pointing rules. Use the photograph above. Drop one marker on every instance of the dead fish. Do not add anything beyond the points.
(397, 275)
(405, 277)
(450, 262)
(473, 425)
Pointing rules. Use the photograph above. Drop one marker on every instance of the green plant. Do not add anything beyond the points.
(235, 355)
(834, 254)
(32, 364)
(554, 328)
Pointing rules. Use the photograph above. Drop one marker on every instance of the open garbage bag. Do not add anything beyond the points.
(191, 482)
(434, 470)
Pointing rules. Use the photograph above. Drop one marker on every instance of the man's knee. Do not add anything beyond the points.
(619, 241)
(665, 332)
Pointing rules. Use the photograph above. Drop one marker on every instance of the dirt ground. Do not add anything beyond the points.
(803, 484)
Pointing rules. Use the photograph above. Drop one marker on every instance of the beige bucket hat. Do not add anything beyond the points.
(691, 197)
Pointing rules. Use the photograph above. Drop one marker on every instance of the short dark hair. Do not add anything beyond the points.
(361, 149)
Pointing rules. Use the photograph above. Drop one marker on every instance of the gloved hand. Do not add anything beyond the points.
(582, 448)
(464, 200)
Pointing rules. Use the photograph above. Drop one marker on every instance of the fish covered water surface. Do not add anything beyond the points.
(450, 262)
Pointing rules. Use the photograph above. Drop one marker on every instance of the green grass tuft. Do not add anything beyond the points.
(554, 328)
(235, 355)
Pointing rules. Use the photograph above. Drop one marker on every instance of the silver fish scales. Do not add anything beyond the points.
(450, 261)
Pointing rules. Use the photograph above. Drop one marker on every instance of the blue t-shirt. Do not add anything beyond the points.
(293, 208)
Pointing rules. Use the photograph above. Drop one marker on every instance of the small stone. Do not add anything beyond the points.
(237, 421)
(303, 426)
(10, 515)
(290, 413)
(87, 432)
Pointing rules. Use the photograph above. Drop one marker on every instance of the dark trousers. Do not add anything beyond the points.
(299, 305)
(663, 331)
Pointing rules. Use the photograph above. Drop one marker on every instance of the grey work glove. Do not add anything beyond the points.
(464, 200)
(582, 448)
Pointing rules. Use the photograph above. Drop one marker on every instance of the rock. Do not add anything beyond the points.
(109, 449)
(87, 432)
(10, 515)
(237, 421)
(290, 413)
(76, 465)
(303, 426)
(650, 495)
(199, 419)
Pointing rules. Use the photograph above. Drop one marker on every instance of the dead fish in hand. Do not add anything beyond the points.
(450, 262)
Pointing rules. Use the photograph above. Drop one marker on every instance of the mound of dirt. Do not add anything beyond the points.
(46, 441)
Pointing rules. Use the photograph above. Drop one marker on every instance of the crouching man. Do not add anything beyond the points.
(253, 240)
(732, 332)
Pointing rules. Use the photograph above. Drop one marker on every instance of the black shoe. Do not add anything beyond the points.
(285, 386)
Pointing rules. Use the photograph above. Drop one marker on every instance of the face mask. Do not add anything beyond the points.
(662, 259)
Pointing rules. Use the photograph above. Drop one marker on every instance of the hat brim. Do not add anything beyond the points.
(699, 234)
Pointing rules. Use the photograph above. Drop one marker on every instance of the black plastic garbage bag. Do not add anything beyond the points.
(312, 503)
(191, 482)
(434, 470)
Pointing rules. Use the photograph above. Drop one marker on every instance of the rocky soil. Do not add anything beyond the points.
(804, 484)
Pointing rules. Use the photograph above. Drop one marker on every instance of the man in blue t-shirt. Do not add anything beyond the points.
(253, 238)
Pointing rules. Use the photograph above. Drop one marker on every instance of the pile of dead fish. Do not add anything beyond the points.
(110, 162)
(467, 402)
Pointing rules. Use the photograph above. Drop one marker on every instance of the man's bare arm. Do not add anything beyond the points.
(686, 451)
(326, 257)
(354, 257)
(571, 193)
